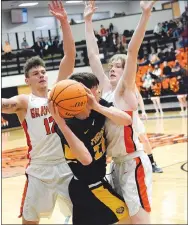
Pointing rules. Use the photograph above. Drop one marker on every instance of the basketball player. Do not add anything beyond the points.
(132, 169)
(139, 127)
(48, 174)
(83, 142)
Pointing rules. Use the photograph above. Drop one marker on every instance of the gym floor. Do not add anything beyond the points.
(168, 136)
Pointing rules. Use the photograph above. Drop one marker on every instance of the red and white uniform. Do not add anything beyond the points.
(131, 168)
(48, 172)
(138, 124)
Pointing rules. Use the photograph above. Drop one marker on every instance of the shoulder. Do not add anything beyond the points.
(23, 99)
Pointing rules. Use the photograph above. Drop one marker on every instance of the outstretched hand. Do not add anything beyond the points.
(147, 6)
(56, 8)
(89, 9)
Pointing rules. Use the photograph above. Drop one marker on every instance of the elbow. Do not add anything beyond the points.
(132, 51)
(91, 56)
(128, 120)
(87, 160)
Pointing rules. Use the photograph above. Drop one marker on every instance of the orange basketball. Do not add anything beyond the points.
(70, 98)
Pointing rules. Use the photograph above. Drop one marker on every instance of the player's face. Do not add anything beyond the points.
(96, 92)
(116, 71)
(37, 78)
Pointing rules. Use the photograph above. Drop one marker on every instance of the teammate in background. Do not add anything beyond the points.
(132, 169)
(83, 143)
(48, 174)
(140, 129)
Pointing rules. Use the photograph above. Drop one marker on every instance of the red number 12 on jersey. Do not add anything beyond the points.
(49, 125)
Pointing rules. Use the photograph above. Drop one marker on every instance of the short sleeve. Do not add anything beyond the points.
(105, 103)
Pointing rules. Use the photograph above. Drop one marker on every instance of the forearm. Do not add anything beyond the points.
(138, 35)
(8, 106)
(68, 40)
(68, 61)
(93, 55)
(92, 47)
(77, 147)
(129, 74)
(117, 116)
(141, 103)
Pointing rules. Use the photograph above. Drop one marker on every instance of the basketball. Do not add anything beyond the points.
(70, 98)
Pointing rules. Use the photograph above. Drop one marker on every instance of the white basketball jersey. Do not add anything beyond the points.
(121, 140)
(44, 145)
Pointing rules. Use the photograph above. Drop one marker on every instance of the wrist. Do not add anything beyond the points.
(88, 20)
(146, 14)
(97, 107)
(60, 121)
(64, 21)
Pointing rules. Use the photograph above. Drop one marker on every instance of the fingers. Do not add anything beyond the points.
(61, 5)
(50, 7)
(89, 95)
(153, 2)
(93, 3)
(86, 3)
(56, 4)
(53, 4)
(52, 12)
(56, 110)
(88, 91)
(51, 108)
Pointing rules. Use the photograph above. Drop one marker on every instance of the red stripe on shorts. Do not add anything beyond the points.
(23, 198)
(24, 125)
(128, 136)
(141, 186)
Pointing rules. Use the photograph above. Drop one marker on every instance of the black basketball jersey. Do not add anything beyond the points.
(91, 132)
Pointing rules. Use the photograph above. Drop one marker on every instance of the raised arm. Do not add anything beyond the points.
(129, 73)
(92, 47)
(13, 105)
(77, 147)
(118, 116)
(141, 103)
(67, 63)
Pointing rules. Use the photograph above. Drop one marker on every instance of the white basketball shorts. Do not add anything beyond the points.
(138, 125)
(132, 179)
(45, 185)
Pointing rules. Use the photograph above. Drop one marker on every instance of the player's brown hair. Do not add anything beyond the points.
(33, 63)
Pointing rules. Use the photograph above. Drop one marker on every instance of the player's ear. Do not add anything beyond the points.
(27, 81)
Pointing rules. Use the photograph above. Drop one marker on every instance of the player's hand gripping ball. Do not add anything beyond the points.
(69, 96)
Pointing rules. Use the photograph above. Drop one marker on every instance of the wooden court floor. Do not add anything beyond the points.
(169, 140)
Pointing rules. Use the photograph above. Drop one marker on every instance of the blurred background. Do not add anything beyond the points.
(28, 29)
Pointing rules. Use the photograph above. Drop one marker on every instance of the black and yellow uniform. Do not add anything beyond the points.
(94, 200)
